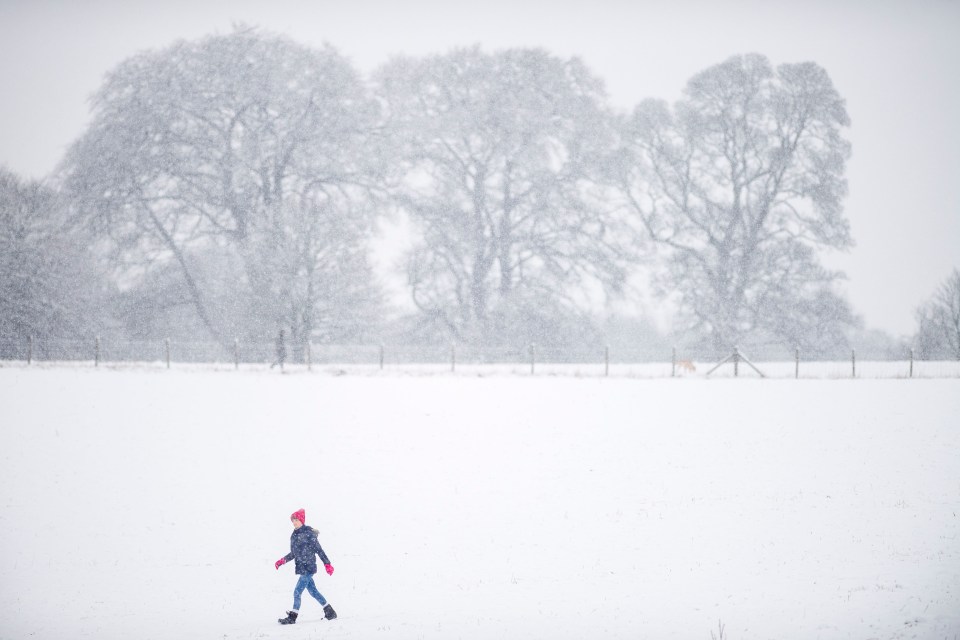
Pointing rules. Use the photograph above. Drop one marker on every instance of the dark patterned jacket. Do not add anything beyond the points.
(304, 549)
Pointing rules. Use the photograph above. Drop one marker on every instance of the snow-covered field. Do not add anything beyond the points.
(145, 503)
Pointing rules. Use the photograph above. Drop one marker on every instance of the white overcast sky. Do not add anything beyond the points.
(897, 63)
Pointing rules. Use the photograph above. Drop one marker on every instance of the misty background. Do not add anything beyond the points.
(772, 175)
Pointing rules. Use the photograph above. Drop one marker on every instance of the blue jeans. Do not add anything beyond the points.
(306, 582)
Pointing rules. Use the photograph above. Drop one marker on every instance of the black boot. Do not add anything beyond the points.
(328, 612)
(290, 619)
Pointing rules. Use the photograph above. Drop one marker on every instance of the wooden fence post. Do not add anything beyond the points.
(606, 361)
(736, 362)
(381, 357)
(911, 363)
(96, 352)
(453, 358)
(166, 344)
(853, 360)
(673, 365)
(236, 354)
(29, 349)
(533, 357)
(796, 374)
(309, 356)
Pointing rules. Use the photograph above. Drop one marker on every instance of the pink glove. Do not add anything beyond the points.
(280, 562)
(329, 568)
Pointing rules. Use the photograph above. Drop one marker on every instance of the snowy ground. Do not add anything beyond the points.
(142, 503)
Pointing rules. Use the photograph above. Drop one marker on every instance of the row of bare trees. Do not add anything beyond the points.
(232, 184)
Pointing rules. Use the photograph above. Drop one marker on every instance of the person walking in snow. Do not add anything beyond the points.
(281, 348)
(304, 548)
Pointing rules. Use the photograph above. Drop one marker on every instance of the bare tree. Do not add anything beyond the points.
(497, 153)
(50, 286)
(736, 187)
(939, 320)
(244, 141)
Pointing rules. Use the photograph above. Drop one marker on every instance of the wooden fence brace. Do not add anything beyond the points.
(533, 357)
(853, 359)
(96, 352)
(29, 349)
(381, 357)
(166, 344)
(736, 357)
(606, 361)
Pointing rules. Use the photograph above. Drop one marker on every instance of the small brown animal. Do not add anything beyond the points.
(686, 365)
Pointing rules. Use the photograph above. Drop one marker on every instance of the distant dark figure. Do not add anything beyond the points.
(281, 351)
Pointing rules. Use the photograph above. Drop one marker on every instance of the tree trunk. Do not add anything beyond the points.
(195, 296)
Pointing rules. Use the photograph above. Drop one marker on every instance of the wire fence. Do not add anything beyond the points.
(649, 361)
